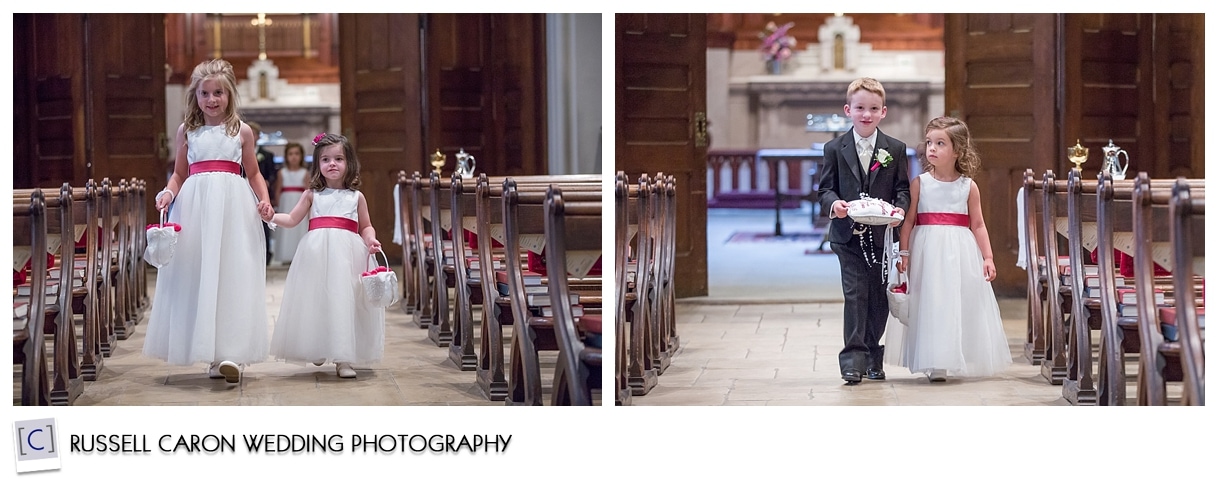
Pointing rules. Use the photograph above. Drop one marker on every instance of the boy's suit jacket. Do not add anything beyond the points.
(843, 179)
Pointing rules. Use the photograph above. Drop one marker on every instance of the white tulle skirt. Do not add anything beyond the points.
(210, 300)
(323, 315)
(954, 323)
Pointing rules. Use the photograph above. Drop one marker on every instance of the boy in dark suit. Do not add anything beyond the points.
(863, 160)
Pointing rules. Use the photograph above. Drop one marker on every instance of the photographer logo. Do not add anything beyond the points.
(37, 445)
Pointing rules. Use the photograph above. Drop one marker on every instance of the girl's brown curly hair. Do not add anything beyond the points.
(968, 161)
(351, 179)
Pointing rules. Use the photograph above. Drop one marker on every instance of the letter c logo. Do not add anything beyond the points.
(31, 436)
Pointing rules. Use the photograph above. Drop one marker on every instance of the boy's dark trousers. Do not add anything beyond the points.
(866, 307)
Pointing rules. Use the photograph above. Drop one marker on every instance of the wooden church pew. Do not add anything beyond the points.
(524, 224)
(626, 296)
(107, 221)
(89, 301)
(125, 315)
(143, 301)
(1158, 359)
(573, 243)
(463, 209)
(1033, 198)
(440, 331)
(467, 291)
(66, 383)
(420, 200)
(1058, 297)
(1188, 246)
(408, 233)
(1114, 214)
(643, 351)
(669, 341)
(1119, 329)
(60, 284)
(29, 345)
(136, 268)
(496, 308)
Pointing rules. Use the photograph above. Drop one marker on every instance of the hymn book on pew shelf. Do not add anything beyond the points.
(530, 278)
(543, 299)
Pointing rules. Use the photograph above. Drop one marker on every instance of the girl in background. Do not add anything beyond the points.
(289, 187)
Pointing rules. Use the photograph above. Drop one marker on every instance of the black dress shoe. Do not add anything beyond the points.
(875, 374)
(852, 377)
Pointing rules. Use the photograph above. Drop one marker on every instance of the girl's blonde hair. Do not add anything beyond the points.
(351, 179)
(222, 71)
(968, 161)
(288, 149)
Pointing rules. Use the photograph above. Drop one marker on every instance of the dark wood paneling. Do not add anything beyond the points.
(382, 105)
(50, 121)
(660, 87)
(125, 101)
(1000, 75)
(1029, 85)
(484, 90)
(23, 139)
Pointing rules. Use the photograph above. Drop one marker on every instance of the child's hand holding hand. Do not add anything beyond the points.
(266, 211)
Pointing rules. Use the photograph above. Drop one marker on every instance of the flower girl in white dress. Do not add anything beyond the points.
(209, 305)
(289, 187)
(954, 324)
(323, 316)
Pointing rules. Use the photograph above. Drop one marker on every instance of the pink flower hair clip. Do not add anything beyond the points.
(318, 138)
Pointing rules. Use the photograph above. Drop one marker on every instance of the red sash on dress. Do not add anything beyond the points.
(293, 189)
(957, 219)
(334, 222)
(226, 166)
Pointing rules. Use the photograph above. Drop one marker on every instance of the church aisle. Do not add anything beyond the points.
(786, 354)
(772, 338)
(413, 372)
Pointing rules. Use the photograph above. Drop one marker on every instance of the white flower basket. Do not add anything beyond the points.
(380, 284)
(162, 240)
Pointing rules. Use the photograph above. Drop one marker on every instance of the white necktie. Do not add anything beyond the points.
(865, 154)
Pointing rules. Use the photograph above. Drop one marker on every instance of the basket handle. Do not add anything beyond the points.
(372, 258)
(164, 213)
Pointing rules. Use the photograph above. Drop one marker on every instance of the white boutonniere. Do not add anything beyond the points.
(883, 159)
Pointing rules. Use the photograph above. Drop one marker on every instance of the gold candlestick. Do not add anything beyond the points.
(1077, 155)
(437, 160)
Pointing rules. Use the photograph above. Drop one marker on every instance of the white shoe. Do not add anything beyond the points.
(214, 371)
(938, 375)
(230, 371)
(345, 370)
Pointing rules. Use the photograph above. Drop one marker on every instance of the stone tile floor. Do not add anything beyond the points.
(414, 372)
